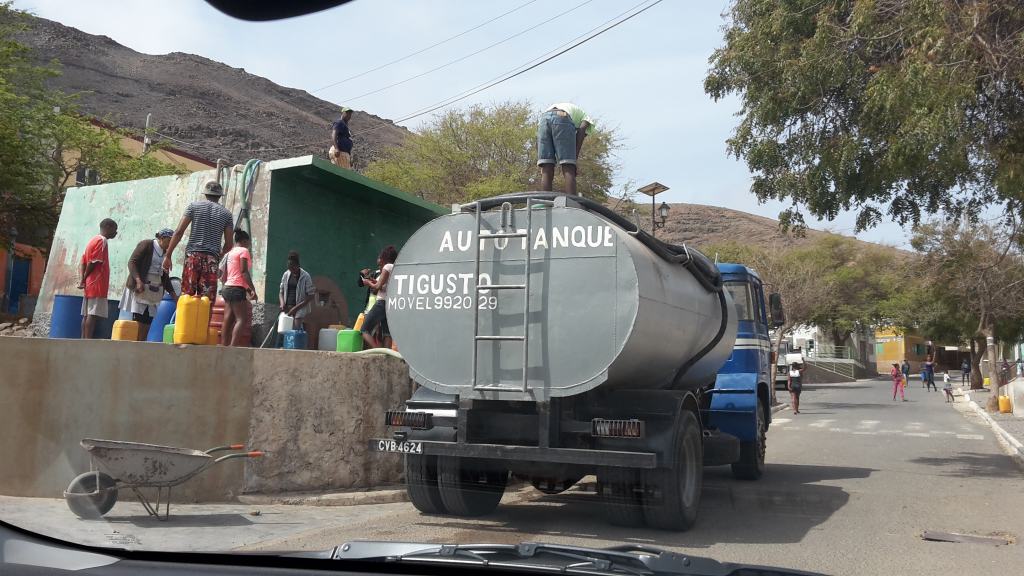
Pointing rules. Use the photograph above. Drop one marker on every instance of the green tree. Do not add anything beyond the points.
(903, 108)
(981, 274)
(26, 111)
(463, 155)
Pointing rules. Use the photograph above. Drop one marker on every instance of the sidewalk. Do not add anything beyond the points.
(1009, 427)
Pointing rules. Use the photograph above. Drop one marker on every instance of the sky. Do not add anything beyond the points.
(644, 77)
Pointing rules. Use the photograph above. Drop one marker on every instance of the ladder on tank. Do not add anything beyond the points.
(506, 231)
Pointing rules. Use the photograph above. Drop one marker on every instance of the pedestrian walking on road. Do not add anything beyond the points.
(95, 277)
(929, 370)
(898, 383)
(965, 372)
(210, 223)
(795, 385)
(905, 368)
(947, 386)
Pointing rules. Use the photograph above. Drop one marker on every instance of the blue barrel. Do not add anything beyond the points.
(66, 320)
(295, 340)
(105, 326)
(164, 313)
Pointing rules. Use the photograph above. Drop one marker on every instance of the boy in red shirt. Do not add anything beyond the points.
(95, 273)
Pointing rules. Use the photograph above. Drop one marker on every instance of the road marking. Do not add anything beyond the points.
(868, 423)
(781, 420)
(941, 432)
(864, 433)
(840, 430)
(970, 437)
(890, 431)
(914, 426)
(918, 434)
(822, 423)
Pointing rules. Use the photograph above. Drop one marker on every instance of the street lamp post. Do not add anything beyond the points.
(652, 190)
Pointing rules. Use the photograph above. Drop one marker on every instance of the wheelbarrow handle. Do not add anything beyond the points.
(228, 447)
(252, 454)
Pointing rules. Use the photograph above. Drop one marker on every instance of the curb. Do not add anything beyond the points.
(1014, 445)
(333, 499)
(780, 407)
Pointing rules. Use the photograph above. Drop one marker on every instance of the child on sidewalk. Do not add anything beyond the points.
(947, 387)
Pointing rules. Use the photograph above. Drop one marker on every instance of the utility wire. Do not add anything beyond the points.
(512, 73)
(467, 56)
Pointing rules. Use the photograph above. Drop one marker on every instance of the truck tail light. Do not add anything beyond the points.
(617, 428)
(414, 420)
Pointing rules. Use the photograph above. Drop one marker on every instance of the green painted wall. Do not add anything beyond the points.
(337, 225)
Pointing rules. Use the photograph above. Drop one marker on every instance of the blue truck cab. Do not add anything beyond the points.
(740, 401)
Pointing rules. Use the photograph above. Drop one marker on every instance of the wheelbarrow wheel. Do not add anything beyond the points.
(87, 505)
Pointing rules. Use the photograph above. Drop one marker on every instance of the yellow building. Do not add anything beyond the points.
(891, 347)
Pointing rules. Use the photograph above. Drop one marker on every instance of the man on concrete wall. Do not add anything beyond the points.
(341, 140)
(560, 135)
(95, 277)
(210, 223)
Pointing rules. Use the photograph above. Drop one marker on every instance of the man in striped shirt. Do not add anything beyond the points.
(210, 223)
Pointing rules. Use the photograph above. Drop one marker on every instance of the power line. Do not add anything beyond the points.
(614, 22)
(422, 50)
(467, 56)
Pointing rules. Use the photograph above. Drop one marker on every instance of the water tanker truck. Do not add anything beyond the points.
(552, 339)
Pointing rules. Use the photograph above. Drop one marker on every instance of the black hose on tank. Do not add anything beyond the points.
(692, 259)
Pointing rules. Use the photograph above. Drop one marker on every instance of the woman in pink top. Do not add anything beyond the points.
(237, 287)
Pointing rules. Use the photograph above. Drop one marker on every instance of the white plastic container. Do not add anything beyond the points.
(328, 340)
(284, 323)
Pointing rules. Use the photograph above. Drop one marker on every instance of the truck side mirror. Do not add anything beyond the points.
(775, 306)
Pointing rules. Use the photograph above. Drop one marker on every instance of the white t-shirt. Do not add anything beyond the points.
(794, 373)
(382, 292)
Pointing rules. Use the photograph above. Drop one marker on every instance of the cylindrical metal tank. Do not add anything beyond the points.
(604, 309)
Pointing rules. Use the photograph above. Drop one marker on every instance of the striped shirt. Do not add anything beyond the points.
(209, 219)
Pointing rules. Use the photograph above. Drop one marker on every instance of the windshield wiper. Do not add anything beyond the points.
(628, 560)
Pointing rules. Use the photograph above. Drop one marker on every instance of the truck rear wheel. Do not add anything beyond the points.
(751, 463)
(470, 487)
(421, 483)
(621, 502)
(672, 495)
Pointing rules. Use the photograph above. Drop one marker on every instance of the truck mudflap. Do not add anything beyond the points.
(611, 458)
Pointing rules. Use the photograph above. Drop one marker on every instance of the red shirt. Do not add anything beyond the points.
(97, 283)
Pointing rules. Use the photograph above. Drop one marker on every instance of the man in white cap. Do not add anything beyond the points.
(210, 223)
(341, 147)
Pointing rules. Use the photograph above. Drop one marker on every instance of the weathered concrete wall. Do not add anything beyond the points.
(312, 414)
(141, 208)
(53, 393)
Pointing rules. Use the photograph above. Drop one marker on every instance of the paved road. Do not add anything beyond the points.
(852, 483)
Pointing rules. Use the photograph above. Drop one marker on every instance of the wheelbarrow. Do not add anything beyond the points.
(115, 465)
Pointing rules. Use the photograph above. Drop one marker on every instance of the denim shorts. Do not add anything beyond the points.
(556, 138)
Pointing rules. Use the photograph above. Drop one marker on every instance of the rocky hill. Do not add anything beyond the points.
(219, 111)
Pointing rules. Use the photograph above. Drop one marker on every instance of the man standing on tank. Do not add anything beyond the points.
(560, 134)
(210, 223)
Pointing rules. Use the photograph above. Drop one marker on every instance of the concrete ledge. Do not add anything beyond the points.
(780, 407)
(331, 499)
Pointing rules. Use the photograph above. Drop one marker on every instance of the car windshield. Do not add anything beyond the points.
(281, 276)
